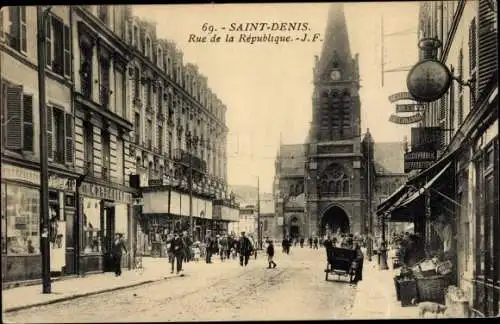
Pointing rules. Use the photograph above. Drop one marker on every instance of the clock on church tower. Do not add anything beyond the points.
(335, 75)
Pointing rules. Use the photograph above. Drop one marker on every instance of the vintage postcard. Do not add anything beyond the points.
(233, 162)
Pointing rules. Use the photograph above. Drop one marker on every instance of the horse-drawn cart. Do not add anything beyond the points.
(341, 262)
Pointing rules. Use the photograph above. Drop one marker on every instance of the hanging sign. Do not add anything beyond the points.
(409, 108)
(419, 160)
(405, 120)
(426, 138)
(428, 80)
(400, 96)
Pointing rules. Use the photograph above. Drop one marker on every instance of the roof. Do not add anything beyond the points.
(389, 157)
(336, 40)
(292, 160)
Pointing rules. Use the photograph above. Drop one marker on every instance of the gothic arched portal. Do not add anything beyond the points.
(334, 219)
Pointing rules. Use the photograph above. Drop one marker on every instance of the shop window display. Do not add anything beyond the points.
(22, 210)
(92, 233)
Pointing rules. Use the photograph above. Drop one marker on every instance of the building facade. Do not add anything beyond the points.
(179, 138)
(87, 132)
(459, 200)
(103, 124)
(20, 170)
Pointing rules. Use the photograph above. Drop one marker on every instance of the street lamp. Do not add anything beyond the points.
(42, 14)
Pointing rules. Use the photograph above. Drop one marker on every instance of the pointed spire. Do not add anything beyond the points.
(336, 41)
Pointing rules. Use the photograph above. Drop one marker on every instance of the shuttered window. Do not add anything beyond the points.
(68, 149)
(472, 58)
(67, 51)
(50, 144)
(18, 119)
(16, 37)
(28, 123)
(460, 111)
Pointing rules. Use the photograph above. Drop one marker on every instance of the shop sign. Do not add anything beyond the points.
(428, 80)
(409, 108)
(155, 182)
(405, 120)
(103, 192)
(419, 160)
(12, 172)
(426, 138)
(400, 96)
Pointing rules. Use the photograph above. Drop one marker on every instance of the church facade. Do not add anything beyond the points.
(328, 184)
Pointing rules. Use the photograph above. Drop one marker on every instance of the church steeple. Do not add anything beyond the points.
(336, 51)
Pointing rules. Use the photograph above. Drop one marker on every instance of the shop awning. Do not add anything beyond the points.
(392, 199)
(405, 209)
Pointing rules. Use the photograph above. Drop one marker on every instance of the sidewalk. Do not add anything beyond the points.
(154, 269)
(376, 296)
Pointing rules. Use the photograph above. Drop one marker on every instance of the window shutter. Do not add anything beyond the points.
(68, 147)
(28, 123)
(22, 28)
(14, 126)
(67, 51)
(472, 58)
(50, 145)
(14, 26)
(48, 41)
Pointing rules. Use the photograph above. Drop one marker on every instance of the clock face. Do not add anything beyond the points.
(335, 75)
(428, 80)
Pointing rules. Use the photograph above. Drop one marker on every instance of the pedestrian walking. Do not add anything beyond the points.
(117, 250)
(358, 265)
(224, 247)
(310, 242)
(177, 249)
(210, 242)
(315, 243)
(188, 242)
(270, 255)
(245, 249)
(301, 242)
(168, 243)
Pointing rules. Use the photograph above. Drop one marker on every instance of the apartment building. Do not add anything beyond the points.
(179, 137)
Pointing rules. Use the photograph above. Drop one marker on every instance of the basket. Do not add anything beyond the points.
(433, 288)
(407, 291)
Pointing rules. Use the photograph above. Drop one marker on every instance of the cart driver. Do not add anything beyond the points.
(328, 243)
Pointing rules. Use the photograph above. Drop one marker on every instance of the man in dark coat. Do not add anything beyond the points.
(209, 241)
(270, 254)
(301, 242)
(245, 249)
(177, 248)
(117, 250)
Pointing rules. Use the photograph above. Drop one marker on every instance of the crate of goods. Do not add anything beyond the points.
(407, 291)
(426, 268)
(432, 288)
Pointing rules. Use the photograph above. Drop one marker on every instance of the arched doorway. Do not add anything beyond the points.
(334, 219)
(294, 228)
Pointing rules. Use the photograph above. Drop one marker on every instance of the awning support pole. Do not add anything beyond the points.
(446, 197)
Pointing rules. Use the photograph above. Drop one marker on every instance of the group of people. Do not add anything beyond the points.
(181, 248)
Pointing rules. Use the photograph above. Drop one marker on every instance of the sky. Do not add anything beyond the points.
(267, 87)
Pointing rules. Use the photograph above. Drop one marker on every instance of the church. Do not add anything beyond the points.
(334, 181)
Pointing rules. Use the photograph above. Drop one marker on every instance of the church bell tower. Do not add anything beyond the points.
(335, 200)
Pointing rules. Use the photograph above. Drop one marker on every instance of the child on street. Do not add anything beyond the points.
(270, 255)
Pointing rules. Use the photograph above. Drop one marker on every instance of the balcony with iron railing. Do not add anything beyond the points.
(189, 159)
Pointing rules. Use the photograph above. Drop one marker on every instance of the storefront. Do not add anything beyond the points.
(106, 211)
(20, 208)
(226, 215)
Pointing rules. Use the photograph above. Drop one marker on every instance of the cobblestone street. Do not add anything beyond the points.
(296, 289)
